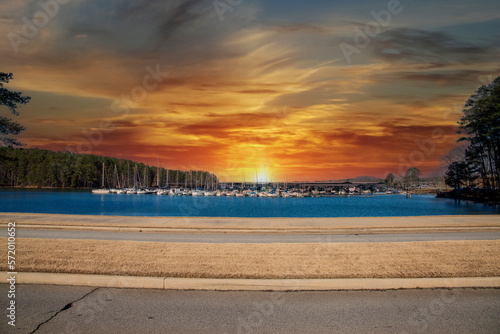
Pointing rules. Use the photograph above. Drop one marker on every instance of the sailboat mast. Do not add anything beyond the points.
(158, 173)
(256, 179)
(102, 175)
(135, 176)
(117, 178)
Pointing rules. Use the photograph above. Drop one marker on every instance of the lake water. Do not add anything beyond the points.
(85, 203)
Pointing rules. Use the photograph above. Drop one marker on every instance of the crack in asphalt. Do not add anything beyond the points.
(66, 307)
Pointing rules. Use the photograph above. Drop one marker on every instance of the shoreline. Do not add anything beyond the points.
(464, 197)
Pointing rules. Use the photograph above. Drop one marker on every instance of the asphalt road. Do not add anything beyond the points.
(64, 309)
(254, 238)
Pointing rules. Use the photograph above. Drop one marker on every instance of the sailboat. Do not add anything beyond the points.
(134, 189)
(116, 181)
(102, 190)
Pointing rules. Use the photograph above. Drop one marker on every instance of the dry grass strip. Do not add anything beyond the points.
(203, 260)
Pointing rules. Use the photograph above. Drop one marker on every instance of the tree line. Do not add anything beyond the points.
(477, 168)
(44, 168)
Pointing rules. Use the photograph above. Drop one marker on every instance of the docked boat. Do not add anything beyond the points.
(175, 192)
(273, 193)
(100, 191)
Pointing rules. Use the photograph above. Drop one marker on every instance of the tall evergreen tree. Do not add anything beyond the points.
(11, 100)
(460, 173)
(480, 126)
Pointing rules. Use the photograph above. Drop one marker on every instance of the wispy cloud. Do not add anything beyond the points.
(267, 86)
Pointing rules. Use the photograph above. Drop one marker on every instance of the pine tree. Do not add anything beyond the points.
(481, 126)
(11, 100)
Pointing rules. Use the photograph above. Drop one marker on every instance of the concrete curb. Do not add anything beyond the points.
(251, 284)
(289, 230)
(86, 280)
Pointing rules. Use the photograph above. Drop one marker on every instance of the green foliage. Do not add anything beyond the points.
(412, 177)
(389, 180)
(11, 100)
(44, 168)
(460, 173)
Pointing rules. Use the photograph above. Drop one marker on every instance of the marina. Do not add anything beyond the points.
(208, 185)
(267, 191)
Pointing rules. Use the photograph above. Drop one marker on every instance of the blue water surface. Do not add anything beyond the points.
(83, 202)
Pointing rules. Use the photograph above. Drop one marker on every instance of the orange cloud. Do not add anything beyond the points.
(244, 98)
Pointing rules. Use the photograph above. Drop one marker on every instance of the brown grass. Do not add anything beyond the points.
(322, 260)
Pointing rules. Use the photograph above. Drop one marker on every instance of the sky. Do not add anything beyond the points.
(254, 90)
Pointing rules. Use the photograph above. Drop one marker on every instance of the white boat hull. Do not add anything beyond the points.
(100, 191)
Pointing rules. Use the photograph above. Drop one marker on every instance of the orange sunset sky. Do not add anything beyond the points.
(295, 90)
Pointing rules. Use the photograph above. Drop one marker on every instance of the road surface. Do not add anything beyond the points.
(63, 309)
(254, 238)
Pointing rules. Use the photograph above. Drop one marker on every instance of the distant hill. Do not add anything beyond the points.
(354, 180)
(363, 179)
